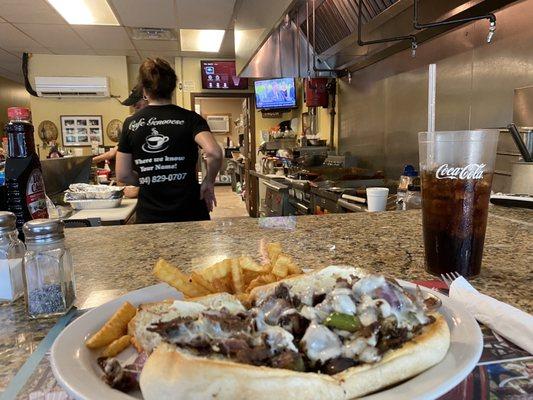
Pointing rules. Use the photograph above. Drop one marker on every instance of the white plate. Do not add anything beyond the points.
(75, 367)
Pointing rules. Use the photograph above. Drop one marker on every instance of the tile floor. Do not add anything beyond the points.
(229, 204)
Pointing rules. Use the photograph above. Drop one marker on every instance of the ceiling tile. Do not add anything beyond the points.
(137, 13)
(54, 36)
(204, 14)
(167, 55)
(29, 11)
(156, 45)
(12, 39)
(73, 52)
(10, 62)
(104, 37)
(117, 52)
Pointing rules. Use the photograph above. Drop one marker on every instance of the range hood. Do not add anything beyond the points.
(289, 44)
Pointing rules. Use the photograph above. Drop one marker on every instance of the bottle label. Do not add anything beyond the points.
(471, 171)
(35, 196)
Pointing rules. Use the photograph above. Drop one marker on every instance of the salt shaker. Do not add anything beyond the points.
(11, 253)
(48, 270)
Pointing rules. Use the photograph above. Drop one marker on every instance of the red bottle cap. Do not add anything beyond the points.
(20, 113)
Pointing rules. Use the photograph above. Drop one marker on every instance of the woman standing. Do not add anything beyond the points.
(158, 151)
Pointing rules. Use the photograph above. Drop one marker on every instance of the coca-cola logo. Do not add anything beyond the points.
(471, 171)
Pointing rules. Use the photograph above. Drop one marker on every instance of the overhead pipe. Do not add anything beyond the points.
(490, 16)
(361, 42)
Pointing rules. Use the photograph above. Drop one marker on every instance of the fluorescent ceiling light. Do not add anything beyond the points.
(85, 12)
(206, 40)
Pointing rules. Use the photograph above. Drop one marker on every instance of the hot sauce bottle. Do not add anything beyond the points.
(24, 179)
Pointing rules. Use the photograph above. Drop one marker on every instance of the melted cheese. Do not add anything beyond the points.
(321, 344)
(278, 338)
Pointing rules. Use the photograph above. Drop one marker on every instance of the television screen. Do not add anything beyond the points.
(275, 93)
(221, 75)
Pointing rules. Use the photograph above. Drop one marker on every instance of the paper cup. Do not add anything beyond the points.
(377, 198)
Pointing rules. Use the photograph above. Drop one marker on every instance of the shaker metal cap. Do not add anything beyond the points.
(43, 230)
(8, 221)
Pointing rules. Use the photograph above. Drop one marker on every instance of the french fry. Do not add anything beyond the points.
(114, 328)
(198, 279)
(261, 280)
(247, 263)
(221, 285)
(294, 269)
(177, 279)
(274, 250)
(236, 276)
(281, 268)
(248, 276)
(117, 346)
(216, 271)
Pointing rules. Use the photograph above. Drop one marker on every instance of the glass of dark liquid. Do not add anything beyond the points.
(456, 173)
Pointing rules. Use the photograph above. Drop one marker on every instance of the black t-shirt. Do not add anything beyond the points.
(161, 142)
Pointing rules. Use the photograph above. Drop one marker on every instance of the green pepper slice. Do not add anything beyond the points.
(343, 322)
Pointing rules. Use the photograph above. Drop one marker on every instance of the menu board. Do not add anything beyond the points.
(221, 75)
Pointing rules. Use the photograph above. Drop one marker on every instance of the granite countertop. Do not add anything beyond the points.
(110, 261)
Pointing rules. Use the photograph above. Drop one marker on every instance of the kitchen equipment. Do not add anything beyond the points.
(520, 143)
(316, 142)
(311, 160)
(48, 270)
(522, 178)
(512, 200)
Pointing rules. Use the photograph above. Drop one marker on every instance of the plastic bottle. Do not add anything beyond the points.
(24, 179)
(409, 173)
(413, 197)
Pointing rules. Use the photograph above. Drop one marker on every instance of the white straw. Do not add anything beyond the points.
(432, 90)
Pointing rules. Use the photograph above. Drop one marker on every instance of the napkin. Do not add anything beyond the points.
(510, 322)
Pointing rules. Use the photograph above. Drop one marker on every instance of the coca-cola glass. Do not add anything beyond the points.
(456, 172)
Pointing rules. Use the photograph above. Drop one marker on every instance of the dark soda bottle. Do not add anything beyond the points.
(24, 179)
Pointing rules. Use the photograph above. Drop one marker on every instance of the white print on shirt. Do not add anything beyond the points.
(155, 142)
(134, 125)
(166, 164)
(147, 180)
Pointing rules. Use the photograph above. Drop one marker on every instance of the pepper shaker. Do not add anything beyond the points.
(48, 271)
(11, 253)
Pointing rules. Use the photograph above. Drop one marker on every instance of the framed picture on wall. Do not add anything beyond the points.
(82, 130)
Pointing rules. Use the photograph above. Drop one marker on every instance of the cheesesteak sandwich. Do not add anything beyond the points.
(336, 333)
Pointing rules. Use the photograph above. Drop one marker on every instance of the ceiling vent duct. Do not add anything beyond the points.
(153, 34)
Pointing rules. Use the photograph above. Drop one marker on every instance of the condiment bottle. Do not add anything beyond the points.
(48, 271)
(413, 198)
(24, 178)
(11, 253)
(406, 179)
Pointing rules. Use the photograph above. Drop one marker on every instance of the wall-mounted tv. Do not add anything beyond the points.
(221, 75)
(274, 94)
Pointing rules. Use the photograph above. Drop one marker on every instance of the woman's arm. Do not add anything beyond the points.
(124, 169)
(108, 155)
(213, 155)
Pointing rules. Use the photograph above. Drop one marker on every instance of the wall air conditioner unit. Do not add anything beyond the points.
(72, 86)
(218, 123)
